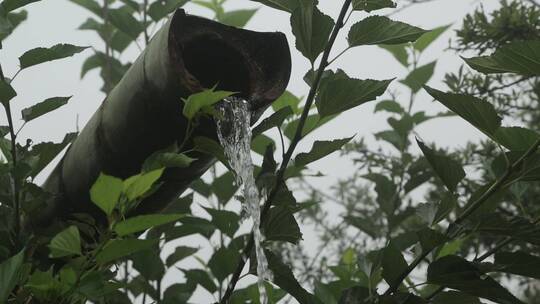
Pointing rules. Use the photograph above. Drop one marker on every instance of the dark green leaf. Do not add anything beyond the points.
(10, 22)
(10, 5)
(312, 122)
(428, 38)
(144, 222)
(223, 262)
(389, 106)
(455, 297)
(148, 263)
(189, 226)
(226, 221)
(118, 249)
(393, 264)
(319, 150)
(479, 113)
(224, 187)
(381, 30)
(372, 5)
(430, 239)
(43, 107)
(274, 120)
(433, 213)
(449, 170)
(66, 243)
(515, 138)
(237, 18)
(284, 5)
(522, 57)
(399, 51)
(385, 189)
(211, 147)
(338, 95)
(41, 55)
(180, 253)
(200, 277)
(519, 262)
(160, 9)
(6, 92)
(106, 192)
(419, 76)
(125, 22)
(47, 151)
(10, 271)
(280, 225)
(456, 273)
(311, 29)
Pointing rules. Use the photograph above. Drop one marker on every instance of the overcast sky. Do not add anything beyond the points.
(56, 21)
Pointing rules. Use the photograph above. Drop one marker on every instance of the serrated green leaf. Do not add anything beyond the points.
(280, 225)
(311, 28)
(375, 30)
(226, 221)
(449, 170)
(515, 138)
(275, 120)
(43, 107)
(143, 222)
(319, 150)
(372, 5)
(419, 76)
(522, 57)
(477, 112)
(40, 55)
(105, 192)
(66, 243)
(9, 274)
(138, 185)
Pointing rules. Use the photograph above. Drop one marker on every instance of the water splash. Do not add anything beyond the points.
(234, 134)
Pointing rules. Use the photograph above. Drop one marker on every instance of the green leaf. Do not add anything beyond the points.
(10, 22)
(449, 170)
(40, 55)
(10, 271)
(189, 226)
(433, 213)
(385, 189)
(115, 250)
(144, 222)
(477, 112)
(194, 103)
(455, 297)
(160, 9)
(312, 122)
(90, 5)
(431, 239)
(149, 264)
(419, 76)
(456, 273)
(211, 147)
(167, 160)
(284, 5)
(43, 107)
(180, 253)
(47, 151)
(522, 57)
(284, 278)
(311, 28)
(125, 22)
(381, 30)
(393, 264)
(389, 106)
(66, 243)
(519, 262)
(10, 5)
(428, 38)
(372, 5)
(224, 187)
(280, 225)
(138, 185)
(200, 277)
(274, 120)
(399, 51)
(226, 221)
(515, 138)
(6, 92)
(319, 150)
(287, 99)
(341, 94)
(223, 262)
(105, 192)
(237, 18)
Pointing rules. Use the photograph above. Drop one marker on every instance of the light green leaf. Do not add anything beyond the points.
(477, 112)
(41, 55)
(381, 30)
(43, 107)
(311, 28)
(160, 9)
(287, 99)
(521, 57)
(428, 38)
(144, 222)
(66, 243)
(6, 92)
(341, 94)
(125, 22)
(419, 77)
(10, 271)
(138, 185)
(115, 250)
(10, 5)
(105, 192)
(448, 170)
(194, 103)
(456, 273)
(319, 150)
(372, 5)
(399, 51)
(167, 160)
(237, 18)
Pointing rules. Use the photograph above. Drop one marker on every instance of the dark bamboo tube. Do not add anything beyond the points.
(143, 113)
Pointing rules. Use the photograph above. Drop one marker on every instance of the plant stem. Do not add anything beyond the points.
(499, 184)
(296, 139)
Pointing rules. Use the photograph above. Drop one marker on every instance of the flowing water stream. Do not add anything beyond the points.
(234, 134)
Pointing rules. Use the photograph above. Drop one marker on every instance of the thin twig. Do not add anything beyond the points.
(296, 139)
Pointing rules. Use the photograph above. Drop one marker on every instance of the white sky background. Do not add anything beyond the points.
(56, 21)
